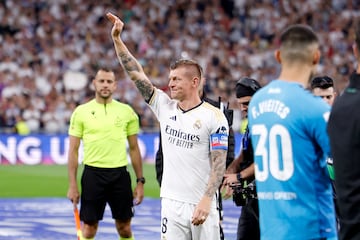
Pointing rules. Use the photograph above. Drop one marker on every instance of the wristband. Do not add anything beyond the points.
(238, 177)
(141, 179)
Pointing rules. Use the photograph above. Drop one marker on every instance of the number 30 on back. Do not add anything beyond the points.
(274, 148)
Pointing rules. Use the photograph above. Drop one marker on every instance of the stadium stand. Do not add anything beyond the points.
(50, 50)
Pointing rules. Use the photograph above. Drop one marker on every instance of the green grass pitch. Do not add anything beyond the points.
(23, 181)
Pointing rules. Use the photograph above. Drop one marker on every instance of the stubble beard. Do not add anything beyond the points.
(105, 97)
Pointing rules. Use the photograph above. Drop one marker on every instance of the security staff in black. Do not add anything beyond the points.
(241, 171)
(344, 133)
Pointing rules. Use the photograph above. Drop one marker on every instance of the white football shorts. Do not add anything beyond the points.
(176, 222)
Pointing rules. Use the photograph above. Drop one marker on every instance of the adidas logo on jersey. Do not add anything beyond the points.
(221, 130)
(173, 118)
(274, 90)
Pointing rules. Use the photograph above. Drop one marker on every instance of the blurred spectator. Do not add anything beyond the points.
(21, 127)
(11, 111)
(32, 117)
(53, 120)
(42, 41)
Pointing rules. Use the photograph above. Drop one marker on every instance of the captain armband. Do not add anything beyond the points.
(219, 141)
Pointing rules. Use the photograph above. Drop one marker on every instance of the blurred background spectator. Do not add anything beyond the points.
(50, 50)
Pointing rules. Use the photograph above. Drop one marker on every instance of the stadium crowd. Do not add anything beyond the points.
(50, 50)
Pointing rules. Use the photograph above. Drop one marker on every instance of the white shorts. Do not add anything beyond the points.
(176, 222)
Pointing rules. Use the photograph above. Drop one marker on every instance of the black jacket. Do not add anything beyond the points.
(344, 133)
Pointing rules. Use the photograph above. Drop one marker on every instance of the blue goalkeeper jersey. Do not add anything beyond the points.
(288, 132)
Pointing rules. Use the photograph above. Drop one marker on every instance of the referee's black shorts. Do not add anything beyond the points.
(106, 185)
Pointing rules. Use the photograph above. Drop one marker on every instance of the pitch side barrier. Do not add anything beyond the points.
(52, 149)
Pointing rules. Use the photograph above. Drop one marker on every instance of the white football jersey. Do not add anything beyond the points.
(187, 138)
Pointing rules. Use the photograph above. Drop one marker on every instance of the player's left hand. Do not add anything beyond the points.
(202, 211)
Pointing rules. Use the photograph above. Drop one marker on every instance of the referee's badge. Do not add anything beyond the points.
(118, 121)
(197, 124)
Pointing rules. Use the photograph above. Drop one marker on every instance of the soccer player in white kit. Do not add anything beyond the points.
(194, 137)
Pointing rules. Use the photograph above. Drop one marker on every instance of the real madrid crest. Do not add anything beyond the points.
(197, 124)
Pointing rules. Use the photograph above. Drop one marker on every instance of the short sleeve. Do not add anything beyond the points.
(133, 124)
(76, 126)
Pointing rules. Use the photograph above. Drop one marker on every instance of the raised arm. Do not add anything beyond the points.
(128, 61)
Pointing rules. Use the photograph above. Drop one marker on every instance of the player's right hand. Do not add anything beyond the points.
(118, 25)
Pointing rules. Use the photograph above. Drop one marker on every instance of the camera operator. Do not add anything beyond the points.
(239, 180)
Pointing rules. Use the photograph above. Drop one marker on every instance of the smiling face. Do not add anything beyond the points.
(104, 84)
(178, 83)
(182, 83)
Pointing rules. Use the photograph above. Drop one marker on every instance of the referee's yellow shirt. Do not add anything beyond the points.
(103, 129)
